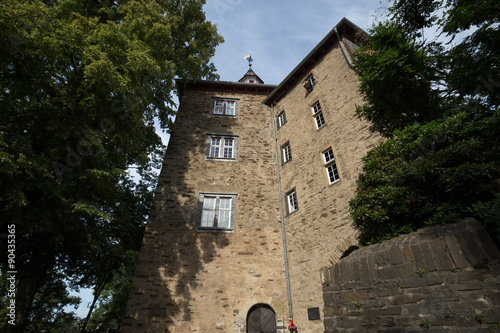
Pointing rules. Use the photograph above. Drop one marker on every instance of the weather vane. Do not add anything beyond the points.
(249, 58)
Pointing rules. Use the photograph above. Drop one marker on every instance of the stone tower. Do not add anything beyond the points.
(252, 169)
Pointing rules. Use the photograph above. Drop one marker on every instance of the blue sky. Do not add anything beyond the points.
(278, 34)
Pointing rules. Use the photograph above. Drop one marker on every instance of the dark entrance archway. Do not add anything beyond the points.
(261, 318)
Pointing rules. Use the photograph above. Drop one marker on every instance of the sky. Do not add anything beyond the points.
(278, 34)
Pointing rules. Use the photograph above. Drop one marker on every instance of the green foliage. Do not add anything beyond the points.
(82, 85)
(396, 75)
(430, 174)
(406, 78)
(426, 323)
(473, 70)
(422, 272)
(48, 307)
(109, 314)
(439, 105)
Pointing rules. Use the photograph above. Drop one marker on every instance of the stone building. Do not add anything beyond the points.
(253, 172)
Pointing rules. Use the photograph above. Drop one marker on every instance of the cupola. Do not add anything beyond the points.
(250, 76)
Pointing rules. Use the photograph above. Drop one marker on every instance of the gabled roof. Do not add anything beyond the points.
(343, 28)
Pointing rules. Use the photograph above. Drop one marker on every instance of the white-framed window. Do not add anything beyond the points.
(221, 147)
(286, 152)
(217, 211)
(224, 107)
(331, 166)
(310, 82)
(281, 119)
(291, 200)
(318, 115)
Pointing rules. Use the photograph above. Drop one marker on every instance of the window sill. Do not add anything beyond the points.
(218, 159)
(318, 129)
(220, 230)
(223, 115)
(335, 182)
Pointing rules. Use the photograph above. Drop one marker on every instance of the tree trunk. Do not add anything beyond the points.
(89, 314)
(97, 293)
(27, 287)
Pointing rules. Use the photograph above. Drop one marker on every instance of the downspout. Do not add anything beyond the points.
(290, 312)
(344, 51)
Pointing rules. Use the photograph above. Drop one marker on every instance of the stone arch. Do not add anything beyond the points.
(261, 318)
(345, 247)
(350, 250)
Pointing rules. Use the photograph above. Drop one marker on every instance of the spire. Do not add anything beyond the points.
(250, 76)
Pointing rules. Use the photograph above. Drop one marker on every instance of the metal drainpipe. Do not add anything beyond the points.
(290, 312)
(343, 50)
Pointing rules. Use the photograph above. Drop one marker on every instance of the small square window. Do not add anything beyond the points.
(316, 108)
(216, 212)
(291, 199)
(224, 107)
(281, 119)
(310, 83)
(221, 147)
(331, 166)
(328, 155)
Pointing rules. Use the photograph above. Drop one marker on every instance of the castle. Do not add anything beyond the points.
(253, 199)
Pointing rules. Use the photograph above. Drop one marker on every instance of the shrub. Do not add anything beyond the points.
(435, 173)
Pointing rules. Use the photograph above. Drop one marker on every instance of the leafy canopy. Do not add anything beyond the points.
(82, 84)
(436, 173)
(438, 105)
(396, 78)
(406, 78)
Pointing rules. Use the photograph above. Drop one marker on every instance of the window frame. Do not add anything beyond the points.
(330, 162)
(286, 153)
(216, 212)
(319, 119)
(224, 101)
(281, 119)
(310, 82)
(292, 194)
(221, 147)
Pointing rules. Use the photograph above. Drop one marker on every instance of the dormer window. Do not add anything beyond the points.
(310, 82)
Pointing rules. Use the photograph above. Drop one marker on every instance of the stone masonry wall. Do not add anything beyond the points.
(439, 279)
(188, 281)
(321, 229)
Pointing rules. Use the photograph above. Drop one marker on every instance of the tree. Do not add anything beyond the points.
(114, 298)
(473, 68)
(406, 78)
(438, 105)
(436, 173)
(396, 76)
(82, 83)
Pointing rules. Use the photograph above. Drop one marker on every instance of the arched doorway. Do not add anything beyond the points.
(261, 318)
